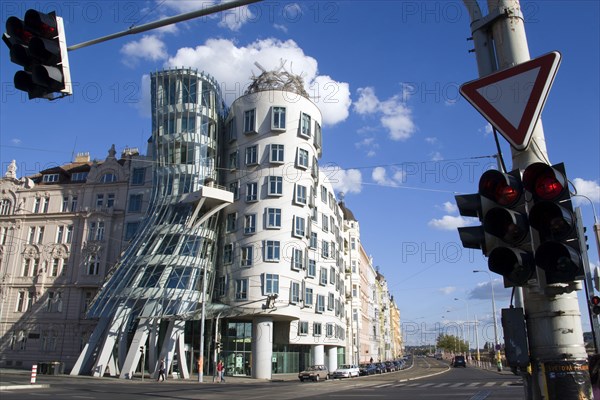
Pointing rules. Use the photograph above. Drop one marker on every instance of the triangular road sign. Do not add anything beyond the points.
(512, 99)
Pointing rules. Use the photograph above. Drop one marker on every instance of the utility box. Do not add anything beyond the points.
(515, 337)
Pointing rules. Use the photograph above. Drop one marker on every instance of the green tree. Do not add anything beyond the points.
(451, 343)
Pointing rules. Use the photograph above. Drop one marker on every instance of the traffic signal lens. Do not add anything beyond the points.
(15, 28)
(551, 220)
(595, 300)
(547, 187)
(501, 188)
(42, 24)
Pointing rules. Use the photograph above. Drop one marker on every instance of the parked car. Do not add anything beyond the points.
(381, 368)
(314, 373)
(459, 361)
(368, 369)
(400, 364)
(346, 371)
(390, 366)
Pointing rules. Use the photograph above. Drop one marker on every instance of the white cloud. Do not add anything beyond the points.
(344, 181)
(232, 65)
(487, 130)
(394, 114)
(436, 156)
(149, 47)
(450, 207)
(379, 175)
(281, 28)
(144, 104)
(431, 140)
(448, 290)
(232, 19)
(16, 141)
(589, 189)
(448, 222)
(483, 290)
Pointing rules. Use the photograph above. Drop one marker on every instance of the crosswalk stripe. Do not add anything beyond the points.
(457, 385)
(488, 384)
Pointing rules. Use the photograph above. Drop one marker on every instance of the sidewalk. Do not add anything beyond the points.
(14, 379)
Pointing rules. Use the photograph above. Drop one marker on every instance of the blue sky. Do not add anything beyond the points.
(399, 140)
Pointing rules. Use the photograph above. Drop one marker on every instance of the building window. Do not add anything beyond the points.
(36, 205)
(308, 297)
(99, 200)
(233, 160)
(329, 328)
(303, 327)
(330, 301)
(228, 253)
(275, 185)
(249, 224)
(272, 250)
(320, 304)
(276, 153)
(271, 284)
(135, 203)
(295, 292)
(108, 178)
(69, 235)
(73, 204)
(234, 187)
(54, 302)
(55, 267)
(324, 194)
(180, 278)
(273, 218)
(252, 155)
(79, 176)
(317, 329)
(247, 256)
(93, 265)
(231, 222)
(110, 200)
(45, 204)
(323, 276)
(299, 226)
(332, 275)
(5, 207)
(221, 286)
(313, 243)
(50, 178)
(250, 121)
(301, 192)
(302, 160)
(138, 176)
(312, 268)
(40, 234)
(96, 231)
(231, 134)
(325, 222)
(325, 249)
(241, 289)
(151, 277)
(305, 125)
(297, 259)
(251, 192)
(318, 139)
(130, 229)
(278, 118)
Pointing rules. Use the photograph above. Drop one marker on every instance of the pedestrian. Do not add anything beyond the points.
(220, 371)
(161, 370)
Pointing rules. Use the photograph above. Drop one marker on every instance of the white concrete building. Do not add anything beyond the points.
(281, 265)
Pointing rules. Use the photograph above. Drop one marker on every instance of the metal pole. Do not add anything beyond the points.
(167, 21)
(477, 340)
(496, 341)
(202, 319)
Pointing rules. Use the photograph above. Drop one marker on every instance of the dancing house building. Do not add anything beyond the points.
(165, 275)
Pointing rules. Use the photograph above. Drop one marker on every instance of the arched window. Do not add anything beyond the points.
(5, 207)
(109, 177)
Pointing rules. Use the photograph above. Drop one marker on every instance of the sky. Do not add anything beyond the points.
(399, 141)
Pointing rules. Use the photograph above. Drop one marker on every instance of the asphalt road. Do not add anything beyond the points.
(427, 379)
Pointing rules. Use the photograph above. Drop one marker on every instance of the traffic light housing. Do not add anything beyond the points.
(558, 250)
(595, 305)
(504, 235)
(219, 347)
(38, 44)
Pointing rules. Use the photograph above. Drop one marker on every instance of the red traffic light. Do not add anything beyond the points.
(595, 303)
(544, 182)
(503, 189)
(43, 25)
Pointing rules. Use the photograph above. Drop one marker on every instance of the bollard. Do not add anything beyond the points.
(33, 373)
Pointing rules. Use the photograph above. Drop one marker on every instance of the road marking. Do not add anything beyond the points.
(457, 385)
(488, 384)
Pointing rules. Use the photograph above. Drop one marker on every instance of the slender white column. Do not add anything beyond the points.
(262, 347)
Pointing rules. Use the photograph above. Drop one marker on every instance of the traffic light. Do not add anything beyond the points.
(504, 217)
(38, 44)
(503, 235)
(595, 305)
(219, 347)
(558, 251)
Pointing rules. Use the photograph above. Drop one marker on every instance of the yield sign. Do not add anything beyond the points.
(512, 99)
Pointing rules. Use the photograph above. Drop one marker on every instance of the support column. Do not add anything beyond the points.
(318, 354)
(262, 347)
(332, 364)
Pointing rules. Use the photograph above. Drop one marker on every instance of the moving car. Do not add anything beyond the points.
(459, 361)
(314, 373)
(346, 371)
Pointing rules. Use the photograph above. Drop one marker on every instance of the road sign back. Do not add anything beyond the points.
(513, 99)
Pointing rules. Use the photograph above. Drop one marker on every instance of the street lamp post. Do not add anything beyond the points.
(466, 335)
(497, 344)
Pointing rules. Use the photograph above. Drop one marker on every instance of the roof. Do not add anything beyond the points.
(348, 215)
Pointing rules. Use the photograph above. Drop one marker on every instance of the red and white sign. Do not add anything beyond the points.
(513, 99)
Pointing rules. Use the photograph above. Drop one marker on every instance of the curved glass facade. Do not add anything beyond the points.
(160, 276)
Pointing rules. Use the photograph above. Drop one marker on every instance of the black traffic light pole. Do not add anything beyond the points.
(167, 21)
(553, 318)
